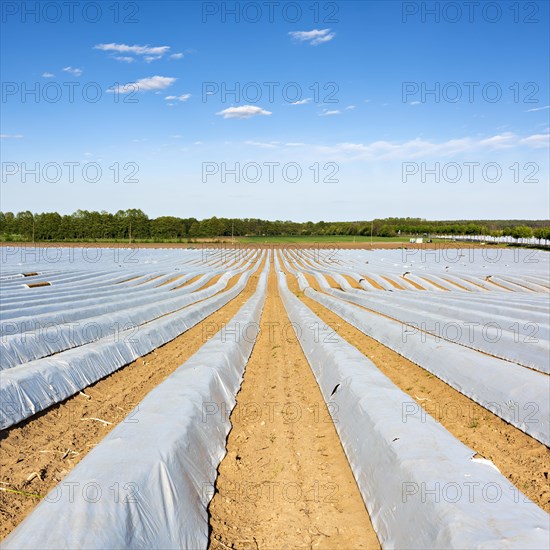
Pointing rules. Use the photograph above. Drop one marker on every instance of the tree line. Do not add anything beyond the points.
(134, 224)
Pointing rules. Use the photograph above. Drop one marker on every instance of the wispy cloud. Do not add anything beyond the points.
(500, 141)
(302, 101)
(72, 70)
(412, 149)
(350, 107)
(334, 112)
(244, 111)
(11, 136)
(537, 141)
(47, 75)
(147, 53)
(421, 148)
(183, 97)
(414, 103)
(145, 85)
(263, 145)
(135, 49)
(314, 37)
(538, 109)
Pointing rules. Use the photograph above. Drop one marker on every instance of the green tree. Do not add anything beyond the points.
(24, 224)
(521, 232)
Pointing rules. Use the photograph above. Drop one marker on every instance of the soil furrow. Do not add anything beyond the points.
(285, 481)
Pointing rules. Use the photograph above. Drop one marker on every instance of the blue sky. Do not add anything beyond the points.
(349, 131)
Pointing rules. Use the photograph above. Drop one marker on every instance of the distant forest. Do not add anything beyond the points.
(136, 225)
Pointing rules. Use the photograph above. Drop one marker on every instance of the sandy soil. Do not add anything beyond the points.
(285, 482)
(54, 441)
(519, 457)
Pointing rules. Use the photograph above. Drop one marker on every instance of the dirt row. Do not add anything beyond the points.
(38, 453)
(519, 457)
(285, 482)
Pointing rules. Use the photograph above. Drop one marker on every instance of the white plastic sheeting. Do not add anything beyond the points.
(34, 386)
(510, 325)
(517, 394)
(21, 259)
(422, 487)
(161, 463)
(140, 287)
(483, 330)
(454, 269)
(79, 276)
(31, 316)
(67, 283)
(54, 332)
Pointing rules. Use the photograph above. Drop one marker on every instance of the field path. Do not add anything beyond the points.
(285, 482)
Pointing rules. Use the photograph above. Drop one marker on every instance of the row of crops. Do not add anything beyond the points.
(94, 317)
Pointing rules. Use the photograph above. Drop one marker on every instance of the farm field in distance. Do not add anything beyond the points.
(414, 349)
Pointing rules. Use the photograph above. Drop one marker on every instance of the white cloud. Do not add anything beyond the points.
(470, 148)
(330, 113)
(183, 97)
(124, 58)
(537, 141)
(197, 143)
(538, 109)
(244, 111)
(500, 141)
(414, 103)
(72, 70)
(145, 84)
(48, 75)
(350, 107)
(135, 49)
(150, 58)
(302, 101)
(11, 136)
(262, 144)
(176, 56)
(421, 148)
(314, 37)
(415, 149)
